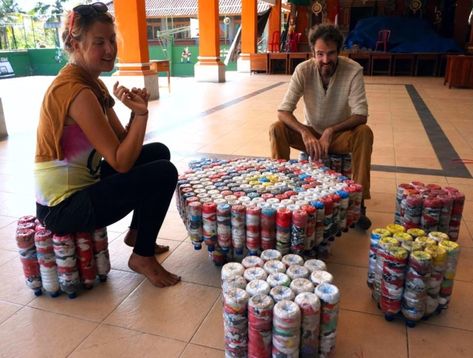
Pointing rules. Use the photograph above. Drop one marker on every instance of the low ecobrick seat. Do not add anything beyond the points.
(55, 263)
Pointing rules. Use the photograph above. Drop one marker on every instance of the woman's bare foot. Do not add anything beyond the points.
(151, 268)
(130, 240)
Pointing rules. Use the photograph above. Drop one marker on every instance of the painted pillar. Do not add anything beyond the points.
(249, 30)
(3, 123)
(209, 68)
(133, 55)
(274, 25)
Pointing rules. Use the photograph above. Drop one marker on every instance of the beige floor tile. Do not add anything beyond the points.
(16, 290)
(120, 253)
(110, 341)
(94, 304)
(7, 237)
(439, 342)
(173, 228)
(354, 292)
(35, 333)
(193, 351)
(351, 249)
(383, 185)
(7, 309)
(174, 312)
(354, 328)
(417, 162)
(193, 266)
(381, 202)
(380, 220)
(454, 181)
(382, 175)
(6, 220)
(6, 255)
(210, 333)
(383, 159)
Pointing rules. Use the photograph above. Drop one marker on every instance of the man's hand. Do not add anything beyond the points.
(325, 141)
(312, 145)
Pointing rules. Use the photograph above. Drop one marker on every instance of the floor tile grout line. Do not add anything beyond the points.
(201, 345)
(6, 319)
(87, 336)
(125, 298)
(63, 314)
(143, 332)
(444, 326)
(9, 318)
(208, 313)
(151, 134)
(102, 324)
(440, 143)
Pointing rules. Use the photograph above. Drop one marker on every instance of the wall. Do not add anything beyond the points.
(48, 61)
(20, 62)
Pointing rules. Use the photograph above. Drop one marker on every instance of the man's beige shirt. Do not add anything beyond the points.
(345, 95)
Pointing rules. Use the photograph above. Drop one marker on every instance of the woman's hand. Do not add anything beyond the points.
(142, 92)
(138, 103)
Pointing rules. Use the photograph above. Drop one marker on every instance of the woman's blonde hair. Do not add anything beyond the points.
(80, 26)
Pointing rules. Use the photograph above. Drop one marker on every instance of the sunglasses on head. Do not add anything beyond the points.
(87, 10)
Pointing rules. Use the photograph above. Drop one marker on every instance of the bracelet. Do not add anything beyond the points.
(142, 114)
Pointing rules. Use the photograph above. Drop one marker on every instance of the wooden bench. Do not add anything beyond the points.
(403, 64)
(278, 61)
(161, 66)
(295, 58)
(259, 62)
(364, 59)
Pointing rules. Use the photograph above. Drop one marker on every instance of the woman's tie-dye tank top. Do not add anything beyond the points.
(65, 161)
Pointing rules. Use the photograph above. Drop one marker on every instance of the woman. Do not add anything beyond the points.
(75, 189)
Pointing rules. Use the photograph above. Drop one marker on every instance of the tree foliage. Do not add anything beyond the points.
(37, 27)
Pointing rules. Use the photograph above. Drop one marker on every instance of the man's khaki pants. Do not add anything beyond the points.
(358, 142)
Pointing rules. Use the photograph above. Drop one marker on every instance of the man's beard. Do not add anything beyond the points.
(327, 69)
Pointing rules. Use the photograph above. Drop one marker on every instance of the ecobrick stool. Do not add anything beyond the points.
(55, 263)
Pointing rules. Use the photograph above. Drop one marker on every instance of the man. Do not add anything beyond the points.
(335, 109)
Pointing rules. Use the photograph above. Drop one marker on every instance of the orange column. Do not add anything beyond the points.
(133, 55)
(209, 68)
(248, 34)
(274, 25)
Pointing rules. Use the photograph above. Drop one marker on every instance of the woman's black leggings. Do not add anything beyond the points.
(147, 189)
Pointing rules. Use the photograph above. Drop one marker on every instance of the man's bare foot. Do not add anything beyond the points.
(130, 240)
(151, 268)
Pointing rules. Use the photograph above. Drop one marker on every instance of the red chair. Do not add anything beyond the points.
(273, 46)
(383, 39)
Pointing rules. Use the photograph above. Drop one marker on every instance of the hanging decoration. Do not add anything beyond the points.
(317, 8)
(415, 5)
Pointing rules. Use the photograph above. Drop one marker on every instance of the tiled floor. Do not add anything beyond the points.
(127, 317)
